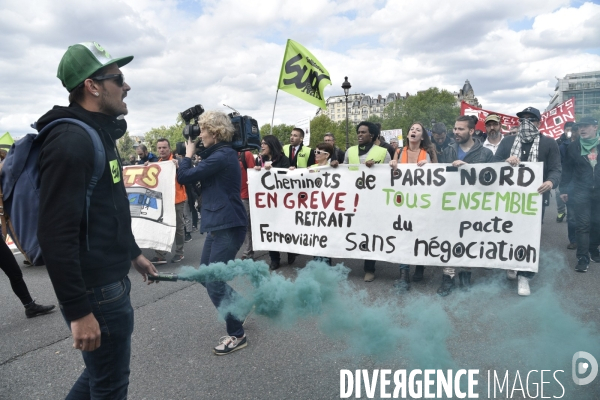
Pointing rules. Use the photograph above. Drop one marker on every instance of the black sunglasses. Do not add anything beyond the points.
(531, 119)
(120, 78)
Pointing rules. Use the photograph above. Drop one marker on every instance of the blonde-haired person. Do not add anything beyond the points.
(223, 213)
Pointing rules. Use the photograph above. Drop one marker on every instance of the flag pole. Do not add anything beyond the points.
(273, 117)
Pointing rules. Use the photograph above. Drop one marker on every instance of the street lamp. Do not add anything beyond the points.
(346, 86)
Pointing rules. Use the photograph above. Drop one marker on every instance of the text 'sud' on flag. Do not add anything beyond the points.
(303, 75)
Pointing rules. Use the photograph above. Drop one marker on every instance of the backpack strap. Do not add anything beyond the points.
(99, 162)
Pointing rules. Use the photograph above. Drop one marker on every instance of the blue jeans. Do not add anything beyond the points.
(222, 246)
(106, 373)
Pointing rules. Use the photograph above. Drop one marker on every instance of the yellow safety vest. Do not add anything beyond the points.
(376, 154)
(301, 157)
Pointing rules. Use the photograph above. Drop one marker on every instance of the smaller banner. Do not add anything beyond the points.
(393, 133)
(11, 245)
(151, 193)
(551, 124)
(303, 75)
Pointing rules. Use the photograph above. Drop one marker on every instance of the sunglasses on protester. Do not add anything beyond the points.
(119, 78)
(319, 152)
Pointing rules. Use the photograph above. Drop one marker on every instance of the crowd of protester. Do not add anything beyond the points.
(89, 247)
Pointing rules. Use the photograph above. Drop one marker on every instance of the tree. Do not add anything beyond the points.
(281, 132)
(125, 146)
(172, 133)
(424, 107)
(322, 124)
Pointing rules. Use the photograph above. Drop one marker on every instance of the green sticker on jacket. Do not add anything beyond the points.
(115, 171)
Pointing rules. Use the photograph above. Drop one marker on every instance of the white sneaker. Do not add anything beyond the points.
(523, 286)
(228, 344)
(511, 274)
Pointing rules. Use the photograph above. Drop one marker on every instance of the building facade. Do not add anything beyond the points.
(584, 87)
(360, 106)
(467, 94)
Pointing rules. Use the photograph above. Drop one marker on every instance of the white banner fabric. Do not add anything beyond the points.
(151, 193)
(477, 215)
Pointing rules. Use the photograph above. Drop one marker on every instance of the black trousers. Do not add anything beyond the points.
(13, 271)
(587, 214)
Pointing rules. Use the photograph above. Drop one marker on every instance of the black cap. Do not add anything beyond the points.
(530, 110)
(587, 121)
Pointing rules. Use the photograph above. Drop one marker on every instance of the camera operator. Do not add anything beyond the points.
(223, 213)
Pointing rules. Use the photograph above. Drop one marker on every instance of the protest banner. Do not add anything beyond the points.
(303, 75)
(11, 245)
(551, 123)
(480, 215)
(151, 193)
(392, 133)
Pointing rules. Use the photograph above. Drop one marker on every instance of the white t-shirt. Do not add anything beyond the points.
(493, 147)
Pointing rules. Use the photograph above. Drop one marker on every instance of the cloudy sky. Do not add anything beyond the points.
(230, 51)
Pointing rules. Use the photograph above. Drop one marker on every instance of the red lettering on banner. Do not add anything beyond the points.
(339, 201)
(258, 200)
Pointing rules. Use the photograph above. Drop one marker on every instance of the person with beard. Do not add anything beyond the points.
(493, 128)
(441, 140)
(580, 166)
(300, 156)
(419, 150)
(89, 250)
(369, 154)
(530, 145)
(465, 150)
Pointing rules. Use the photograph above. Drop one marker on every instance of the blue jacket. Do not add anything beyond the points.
(221, 178)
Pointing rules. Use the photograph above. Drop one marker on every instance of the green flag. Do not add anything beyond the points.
(6, 141)
(303, 75)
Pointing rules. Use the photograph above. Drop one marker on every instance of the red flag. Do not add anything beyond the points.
(551, 124)
(506, 121)
(553, 121)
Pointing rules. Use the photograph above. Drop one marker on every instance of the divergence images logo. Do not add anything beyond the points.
(583, 367)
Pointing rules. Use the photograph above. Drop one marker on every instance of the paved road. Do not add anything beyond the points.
(489, 328)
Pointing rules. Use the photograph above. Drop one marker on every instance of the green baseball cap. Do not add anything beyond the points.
(82, 60)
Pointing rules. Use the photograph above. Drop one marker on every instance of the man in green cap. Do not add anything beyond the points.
(89, 250)
(580, 168)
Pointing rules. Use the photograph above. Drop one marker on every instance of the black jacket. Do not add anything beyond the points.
(439, 148)
(338, 155)
(294, 160)
(66, 165)
(548, 153)
(578, 171)
(476, 155)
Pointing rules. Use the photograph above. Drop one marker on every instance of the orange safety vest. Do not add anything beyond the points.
(404, 156)
(180, 194)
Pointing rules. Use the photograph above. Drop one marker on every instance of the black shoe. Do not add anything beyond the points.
(560, 217)
(274, 265)
(582, 264)
(464, 279)
(418, 275)
(595, 256)
(188, 237)
(447, 286)
(33, 310)
(291, 258)
(176, 259)
(404, 282)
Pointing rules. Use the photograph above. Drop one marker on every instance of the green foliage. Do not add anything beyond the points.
(125, 146)
(281, 132)
(423, 107)
(322, 124)
(172, 133)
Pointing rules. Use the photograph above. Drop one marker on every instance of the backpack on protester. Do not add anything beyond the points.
(20, 187)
